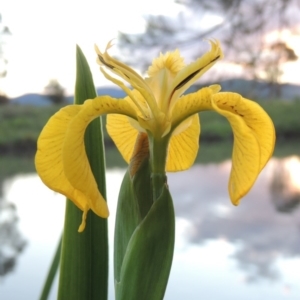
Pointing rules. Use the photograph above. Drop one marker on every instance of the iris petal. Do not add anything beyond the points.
(48, 159)
(182, 150)
(123, 134)
(254, 140)
(61, 159)
(76, 164)
(193, 103)
(189, 74)
(183, 147)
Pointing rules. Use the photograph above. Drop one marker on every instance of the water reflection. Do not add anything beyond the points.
(264, 227)
(12, 243)
(217, 244)
(285, 185)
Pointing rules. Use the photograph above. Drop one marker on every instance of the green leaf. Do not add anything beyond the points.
(135, 200)
(147, 262)
(127, 219)
(84, 258)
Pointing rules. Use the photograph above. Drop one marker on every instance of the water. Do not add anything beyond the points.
(222, 252)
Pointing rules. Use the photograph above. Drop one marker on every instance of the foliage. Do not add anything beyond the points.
(285, 116)
(3, 99)
(21, 125)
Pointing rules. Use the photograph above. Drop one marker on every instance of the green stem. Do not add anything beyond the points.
(158, 157)
(51, 273)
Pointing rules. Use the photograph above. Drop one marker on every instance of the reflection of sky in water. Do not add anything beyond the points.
(222, 252)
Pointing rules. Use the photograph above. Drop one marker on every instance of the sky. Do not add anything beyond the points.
(44, 35)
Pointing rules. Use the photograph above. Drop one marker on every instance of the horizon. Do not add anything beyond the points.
(117, 92)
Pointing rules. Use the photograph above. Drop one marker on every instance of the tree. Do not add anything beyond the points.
(55, 92)
(240, 25)
(276, 55)
(4, 33)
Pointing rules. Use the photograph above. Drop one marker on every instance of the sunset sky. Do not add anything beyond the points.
(44, 35)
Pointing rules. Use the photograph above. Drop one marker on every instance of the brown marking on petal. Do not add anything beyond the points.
(140, 153)
(217, 57)
(104, 62)
(187, 79)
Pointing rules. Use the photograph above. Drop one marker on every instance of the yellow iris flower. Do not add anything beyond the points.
(155, 108)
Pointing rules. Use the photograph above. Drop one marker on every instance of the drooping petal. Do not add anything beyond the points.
(254, 140)
(183, 147)
(48, 159)
(76, 165)
(193, 103)
(122, 133)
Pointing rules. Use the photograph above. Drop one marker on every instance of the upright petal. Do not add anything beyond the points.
(188, 75)
(254, 140)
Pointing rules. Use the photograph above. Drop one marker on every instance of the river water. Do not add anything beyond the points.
(222, 252)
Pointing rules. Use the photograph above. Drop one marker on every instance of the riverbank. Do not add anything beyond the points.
(20, 126)
(213, 152)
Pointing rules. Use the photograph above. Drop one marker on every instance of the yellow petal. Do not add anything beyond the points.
(193, 103)
(170, 60)
(254, 140)
(48, 159)
(123, 134)
(189, 74)
(183, 148)
(76, 166)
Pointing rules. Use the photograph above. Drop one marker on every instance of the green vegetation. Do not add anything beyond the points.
(20, 126)
(285, 115)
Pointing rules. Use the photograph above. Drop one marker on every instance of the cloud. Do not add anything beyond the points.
(260, 232)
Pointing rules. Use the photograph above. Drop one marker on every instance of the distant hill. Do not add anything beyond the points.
(248, 88)
(113, 92)
(259, 90)
(31, 99)
(43, 100)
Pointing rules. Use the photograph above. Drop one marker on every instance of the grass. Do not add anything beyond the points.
(285, 115)
(22, 122)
